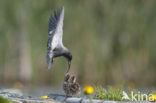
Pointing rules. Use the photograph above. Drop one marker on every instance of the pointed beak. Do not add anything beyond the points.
(69, 63)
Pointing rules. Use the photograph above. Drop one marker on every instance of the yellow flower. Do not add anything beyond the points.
(152, 98)
(44, 96)
(88, 90)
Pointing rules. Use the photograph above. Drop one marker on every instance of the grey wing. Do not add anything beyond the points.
(55, 33)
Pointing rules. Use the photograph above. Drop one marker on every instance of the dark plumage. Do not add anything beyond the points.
(70, 86)
(55, 47)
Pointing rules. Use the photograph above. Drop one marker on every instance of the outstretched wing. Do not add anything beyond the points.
(56, 28)
(55, 33)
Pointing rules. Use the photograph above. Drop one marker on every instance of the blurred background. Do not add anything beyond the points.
(112, 42)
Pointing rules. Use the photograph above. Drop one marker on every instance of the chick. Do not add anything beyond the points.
(70, 86)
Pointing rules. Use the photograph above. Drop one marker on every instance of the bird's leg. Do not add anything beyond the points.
(69, 63)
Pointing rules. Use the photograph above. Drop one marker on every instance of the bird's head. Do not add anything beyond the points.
(68, 56)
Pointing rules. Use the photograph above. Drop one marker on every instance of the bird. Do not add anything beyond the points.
(70, 86)
(55, 47)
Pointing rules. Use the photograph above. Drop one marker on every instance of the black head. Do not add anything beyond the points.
(68, 56)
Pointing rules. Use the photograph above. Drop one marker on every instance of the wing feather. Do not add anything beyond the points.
(55, 33)
(56, 28)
